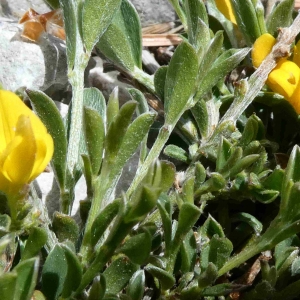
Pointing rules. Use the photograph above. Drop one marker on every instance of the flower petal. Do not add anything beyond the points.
(45, 148)
(224, 6)
(261, 48)
(11, 107)
(284, 79)
(18, 159)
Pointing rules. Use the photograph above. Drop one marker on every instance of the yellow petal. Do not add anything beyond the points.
(284, 78)
(18, 159)
(11, 107)
(224, 6)
(261, 48)
(25, 146)
(44, 154)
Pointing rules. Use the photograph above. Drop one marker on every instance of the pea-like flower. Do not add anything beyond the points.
(224, 6)
(284, 79)
(25, 145)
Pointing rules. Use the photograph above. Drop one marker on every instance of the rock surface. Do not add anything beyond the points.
(14, 9)
(31, 65)
(154, 11)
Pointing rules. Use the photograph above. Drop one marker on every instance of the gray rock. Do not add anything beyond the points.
(14, 9)
(31, 65)
(155, 11)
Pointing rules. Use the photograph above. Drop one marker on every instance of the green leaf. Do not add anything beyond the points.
(118, 274)
(274, 181)
(212, 52)
(242, 164)
(208, 277)
(220, 249)
(130, 141)
(117, 130)
(217, 22)
(176, 152)
(295, 268)
(246, 19)
(188, 190)
(27, 273)
(292, 174)
(136, 285)
(98, 288)
(49, 114)
(280, 16)
(166, 279)
(201, 115)
(221, 289)
(180, 82)
(113, 108)
(122, 41)
(54, 273)
(165, 210)
(65, 227)
(94, 130)
(8, 283)
(250, 220)
(200, 174)
(216, 182)
(96, 17)
(188, 253)
(139, 97)
(235, 157)
(137, 247)
(210, 228)
(74, 273)
(142, 203)
(188, 215)
(36, 240)
(94, 99)
(224, 152)
(160, 80)
(284, 249)
(225, 63)
(168, 171)
(103, 220)
(250, 132)
(197, 20)
(71, 28)
(53, 3)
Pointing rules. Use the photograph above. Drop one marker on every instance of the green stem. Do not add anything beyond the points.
(105, 253)
(278, 231)
(99, 190)
(77, 81)
(161, 140)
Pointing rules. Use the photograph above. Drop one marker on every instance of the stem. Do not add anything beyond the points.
(278, 231)
(77, 81)
(155, 151)
(99, 190)
(106, 251)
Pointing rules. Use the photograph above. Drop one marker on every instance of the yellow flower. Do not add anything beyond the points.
(25, 146)
(224, 6)
(284, 79)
